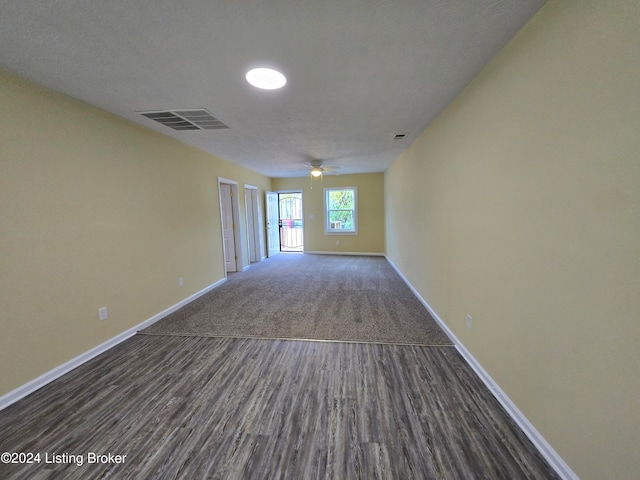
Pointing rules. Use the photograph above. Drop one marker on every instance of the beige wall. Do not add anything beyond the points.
(520, 206)
(95, 211)
(370, 237)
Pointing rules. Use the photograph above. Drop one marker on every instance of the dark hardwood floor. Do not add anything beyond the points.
(223, 408)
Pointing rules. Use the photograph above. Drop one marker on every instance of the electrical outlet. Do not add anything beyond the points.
(337, 242)
(180, 281)
(102, 313)
(469, 321)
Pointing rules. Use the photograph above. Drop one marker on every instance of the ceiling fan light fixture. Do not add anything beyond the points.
(316, 172)
(266, 78)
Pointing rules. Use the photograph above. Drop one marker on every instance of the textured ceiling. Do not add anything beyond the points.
(359, 71)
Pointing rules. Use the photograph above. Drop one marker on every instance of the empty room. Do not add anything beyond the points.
(319, 239)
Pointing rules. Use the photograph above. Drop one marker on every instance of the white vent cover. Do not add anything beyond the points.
(199, 119)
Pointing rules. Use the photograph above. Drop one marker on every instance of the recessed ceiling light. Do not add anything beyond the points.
(266, 78)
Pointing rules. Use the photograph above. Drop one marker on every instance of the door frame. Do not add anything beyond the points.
(235, 203)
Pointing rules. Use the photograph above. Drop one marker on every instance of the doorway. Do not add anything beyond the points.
(285, 226)
(291, 222)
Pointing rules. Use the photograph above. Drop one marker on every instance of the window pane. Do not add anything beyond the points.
(341, 220)
(341, 200)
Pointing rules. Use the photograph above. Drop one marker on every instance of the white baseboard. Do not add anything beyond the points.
(546, 450)
(39, 382)
(366, 254)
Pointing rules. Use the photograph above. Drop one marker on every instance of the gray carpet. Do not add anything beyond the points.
(315, 297)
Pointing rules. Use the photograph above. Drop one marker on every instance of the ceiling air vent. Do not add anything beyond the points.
(199, 119)
(399, 136)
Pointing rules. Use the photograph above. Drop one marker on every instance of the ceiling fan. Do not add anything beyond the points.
(317, 169)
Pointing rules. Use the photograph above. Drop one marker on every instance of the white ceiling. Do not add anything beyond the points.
(359, 71)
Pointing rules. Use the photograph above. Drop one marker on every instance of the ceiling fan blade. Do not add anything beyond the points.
(324, 169)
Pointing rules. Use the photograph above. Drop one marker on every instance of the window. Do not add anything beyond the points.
(340, 210)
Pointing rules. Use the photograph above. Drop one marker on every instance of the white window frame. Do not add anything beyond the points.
(333, 231)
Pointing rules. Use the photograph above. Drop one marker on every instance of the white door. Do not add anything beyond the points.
(252, 220)
(258, 222)
(227, 227)
(273, 227)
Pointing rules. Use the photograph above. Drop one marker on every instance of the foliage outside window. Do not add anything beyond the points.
(341, 210)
